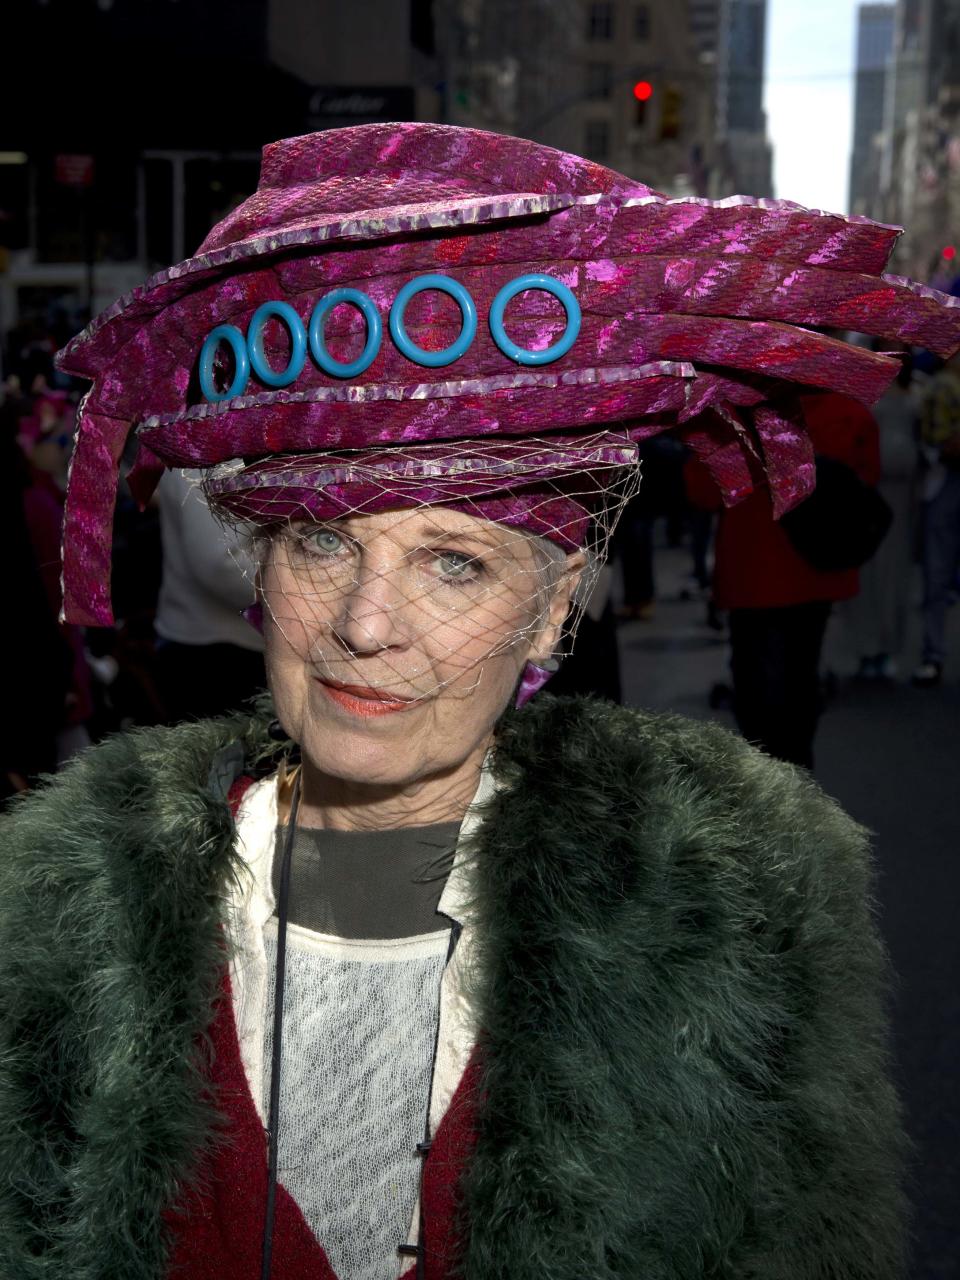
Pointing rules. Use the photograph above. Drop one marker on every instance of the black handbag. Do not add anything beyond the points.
(842, 523)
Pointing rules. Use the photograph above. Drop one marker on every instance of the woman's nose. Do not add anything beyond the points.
(372, 614)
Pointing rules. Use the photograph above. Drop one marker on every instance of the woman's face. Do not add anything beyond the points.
(394, 641)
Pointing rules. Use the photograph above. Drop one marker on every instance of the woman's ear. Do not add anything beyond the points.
(548, 637)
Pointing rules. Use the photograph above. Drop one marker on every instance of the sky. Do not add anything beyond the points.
(811, 49)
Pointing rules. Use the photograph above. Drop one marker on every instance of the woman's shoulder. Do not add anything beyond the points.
(692, 790)
(596, 738)
(137, 802)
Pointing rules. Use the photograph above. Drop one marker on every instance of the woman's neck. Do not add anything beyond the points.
(347, 805)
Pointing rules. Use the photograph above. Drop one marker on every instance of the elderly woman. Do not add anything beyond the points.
(389, 978)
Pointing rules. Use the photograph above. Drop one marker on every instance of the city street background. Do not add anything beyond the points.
(129, 127)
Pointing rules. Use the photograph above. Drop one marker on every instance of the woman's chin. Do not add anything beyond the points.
(378, 750)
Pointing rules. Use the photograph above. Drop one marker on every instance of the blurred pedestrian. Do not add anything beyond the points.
(633, 547)
(591, 664)
(940, 435)
(209, 658)
(700, 524)
(877, 617)
(660, 495)
(39, 657)
(778, 602)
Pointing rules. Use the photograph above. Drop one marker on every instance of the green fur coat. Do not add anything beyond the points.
(680, 990)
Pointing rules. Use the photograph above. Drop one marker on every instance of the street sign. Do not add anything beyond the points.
(73, 170)
(356, 104)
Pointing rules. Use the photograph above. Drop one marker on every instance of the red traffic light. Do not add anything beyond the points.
(950, 252)
(643, 91)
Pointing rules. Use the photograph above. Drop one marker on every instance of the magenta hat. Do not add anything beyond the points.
(570, 300)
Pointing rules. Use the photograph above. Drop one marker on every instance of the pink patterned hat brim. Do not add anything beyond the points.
(697, 317)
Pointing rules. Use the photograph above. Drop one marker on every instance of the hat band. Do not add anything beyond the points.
(249, 356)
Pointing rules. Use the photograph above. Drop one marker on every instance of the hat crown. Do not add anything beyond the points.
(388, 166)
(695, 314)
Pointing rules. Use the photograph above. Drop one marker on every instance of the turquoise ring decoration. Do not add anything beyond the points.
(468, 313)
(318, 348)
(549, 285)
(241, 375)
(298, 344)
(250, 357)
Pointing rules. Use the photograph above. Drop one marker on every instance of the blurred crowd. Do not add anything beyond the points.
(180, 647)
(877, 548)
(886, 518)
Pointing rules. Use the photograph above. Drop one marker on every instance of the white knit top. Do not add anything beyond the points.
(360, 1021)
(347, 977)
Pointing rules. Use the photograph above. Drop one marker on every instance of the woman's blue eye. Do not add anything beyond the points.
(455, 565)
(327, 541)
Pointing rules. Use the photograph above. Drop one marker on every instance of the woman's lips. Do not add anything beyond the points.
(361, 701)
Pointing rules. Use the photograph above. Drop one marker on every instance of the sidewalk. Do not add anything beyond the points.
(889, 754)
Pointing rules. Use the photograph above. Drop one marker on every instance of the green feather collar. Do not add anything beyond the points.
(677, 983)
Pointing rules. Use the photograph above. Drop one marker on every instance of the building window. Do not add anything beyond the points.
(600, 22)
(641, 22)
(599, 77)
(597, 140)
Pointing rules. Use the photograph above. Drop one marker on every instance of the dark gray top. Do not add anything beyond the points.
(368, 884)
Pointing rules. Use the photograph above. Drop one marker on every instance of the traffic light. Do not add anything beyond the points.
(671, 114)
(949, 253)
(642, 93)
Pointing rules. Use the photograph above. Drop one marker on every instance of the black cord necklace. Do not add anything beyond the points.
(273, 1120)
(419, 1250)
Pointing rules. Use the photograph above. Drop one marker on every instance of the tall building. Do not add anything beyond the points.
(704, 17)
(741, 121)
(742, 33)
(730, 36)
(513, 68)
(920, 144)
(644, 102)
(647, 105)
(133, 125)
(362, 63)
(875, 25)
(564, 72)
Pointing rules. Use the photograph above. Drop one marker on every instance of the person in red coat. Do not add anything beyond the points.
(779, 604)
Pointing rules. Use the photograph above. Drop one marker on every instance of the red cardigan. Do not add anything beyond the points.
(756, 566)
(217, 1227)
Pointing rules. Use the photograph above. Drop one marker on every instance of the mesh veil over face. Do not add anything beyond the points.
(402, 574)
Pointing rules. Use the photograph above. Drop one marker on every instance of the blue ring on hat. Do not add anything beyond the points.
(549, 285)
(468, 315)
(318, 348)
(298, 344)
(241, 375)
